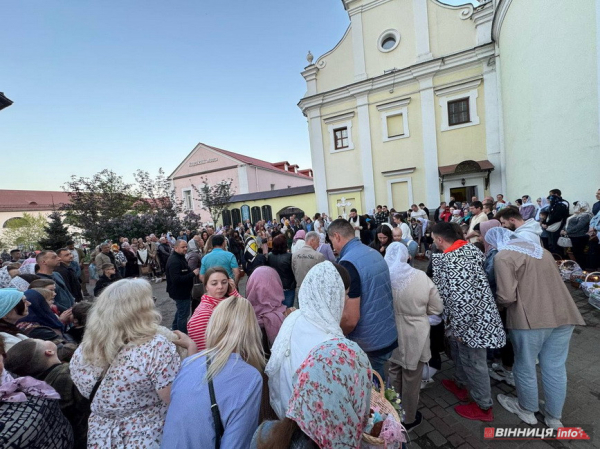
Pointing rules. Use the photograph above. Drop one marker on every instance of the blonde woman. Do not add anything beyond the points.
(126, 368)
(232, 362)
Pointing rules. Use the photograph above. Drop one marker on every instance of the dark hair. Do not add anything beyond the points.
(477, 204)
(385, 229)
(218, 240)
(70, 242)
(342, 227)
(26, 359)
(107, 266)
(556, 192)
(280, 244)
(344, 275)
(353, 210)
(508, 213)
(421, 204)
(379, 206)
(214, 270)
(317, 216)
(12, 251)
(28, 277)
(80, 312)
(519, 201)
(500, 195)
(446, 231)
(13, 266)
(62, 250)
(41, 283)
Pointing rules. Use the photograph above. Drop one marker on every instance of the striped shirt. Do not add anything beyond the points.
(199, 321)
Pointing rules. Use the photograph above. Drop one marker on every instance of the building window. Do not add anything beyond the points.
(458, 112)
(394, 119)
(187, 200)
(236, 216)
(388, 41)
(395, 125)
(340, 138)
(226, 218)
(255, 214)
(267, 213)
(272, 186)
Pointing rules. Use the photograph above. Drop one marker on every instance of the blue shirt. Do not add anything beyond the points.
(189, 423)
(219, 258)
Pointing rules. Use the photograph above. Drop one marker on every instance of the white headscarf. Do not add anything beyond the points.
(543, 205)
(321, 299)
(581, 207)
(401, 273)
(505, 239)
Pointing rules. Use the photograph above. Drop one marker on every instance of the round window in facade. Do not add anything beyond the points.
(388, 41)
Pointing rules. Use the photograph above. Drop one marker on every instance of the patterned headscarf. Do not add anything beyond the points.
(504, 239)
(401, 273)
(299, 235)
(265, 292)
(332, 394)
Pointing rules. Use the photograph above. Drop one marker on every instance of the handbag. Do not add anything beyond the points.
(554, 227)
(214, 408)
(198, 291)
(145, 269)
(564, 242)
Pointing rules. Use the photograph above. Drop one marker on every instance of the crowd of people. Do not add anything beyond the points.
(290, 362)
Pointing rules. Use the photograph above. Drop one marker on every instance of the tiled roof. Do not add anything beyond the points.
(31, 200)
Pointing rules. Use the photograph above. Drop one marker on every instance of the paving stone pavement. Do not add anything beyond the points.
(443, 428)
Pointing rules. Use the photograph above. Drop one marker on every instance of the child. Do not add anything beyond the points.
(544, 236)
(79, 312)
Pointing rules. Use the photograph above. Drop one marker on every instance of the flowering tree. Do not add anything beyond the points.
(25, 232)
(214, 198)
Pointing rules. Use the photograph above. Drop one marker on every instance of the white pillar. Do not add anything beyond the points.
(358, 46)
(318, 159)
(598, 61)
(366, 153)
(501, 140)
(421, 21)
(492, 125)
(430, 151)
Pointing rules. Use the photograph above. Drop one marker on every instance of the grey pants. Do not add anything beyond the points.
(408, 384)
(471, 371)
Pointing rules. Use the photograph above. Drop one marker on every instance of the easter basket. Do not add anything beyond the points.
(567, 268)
(379, 401)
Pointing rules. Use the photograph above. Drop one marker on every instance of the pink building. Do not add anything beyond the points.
(249, 175)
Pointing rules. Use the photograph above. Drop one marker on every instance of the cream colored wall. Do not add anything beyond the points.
(339, 65)
(396, 15)
(448, 33)
(548, 70)
(307, 202)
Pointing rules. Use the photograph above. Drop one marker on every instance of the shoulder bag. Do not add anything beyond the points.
(214, 407)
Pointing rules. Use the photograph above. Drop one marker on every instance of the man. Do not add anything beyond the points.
(368, 317)
(358, 223)
(180, 280)
(438, 212)
(306, 257)
(380, 216)
(15, 256)
(220, 257)
(423, 208)
(488, 209)
(77, 265)
(479, 216)
(558, 212)
(163, 251)
(416, 212)
(48, 261)
(596, 206)
(471, 316)
(529, 230)
(103, 257)
(109, 276)
(68, 274)
(540, 317)
(474, 198)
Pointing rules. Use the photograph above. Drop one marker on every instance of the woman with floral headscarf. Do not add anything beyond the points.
(321, 299)
(330, 402)
(415, 297)
(576, 229)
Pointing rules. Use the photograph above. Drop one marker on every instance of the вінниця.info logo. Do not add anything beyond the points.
(517, 433)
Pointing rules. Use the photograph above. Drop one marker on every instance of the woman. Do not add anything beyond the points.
(218, 287)
(143, 260)
(543, 206)
(577, 230)
(253, 257)
(325, 249)
(126, 368)
(265, 292)
(405, 228)
(231, 364)
(120, 260)
(131, 267)
(13, 307)
(41, 322)
(298, 240)
(204, 236)
(281, 261)
(329, 406)
(321, 299)
(415, 297)
(319, 224)
(264, 237)
(237, 247)
(383, 238)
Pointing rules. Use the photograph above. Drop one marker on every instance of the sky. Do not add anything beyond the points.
(136, 84)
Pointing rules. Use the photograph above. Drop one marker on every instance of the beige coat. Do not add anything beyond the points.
(303, 260)
(533, 292)
(411, 307)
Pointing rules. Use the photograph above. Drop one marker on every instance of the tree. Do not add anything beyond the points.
(26, 232)
(214, 198)
(57, 234)
(95, 201)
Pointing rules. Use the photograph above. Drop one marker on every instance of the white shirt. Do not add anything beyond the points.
(418, 214)
(75, 256)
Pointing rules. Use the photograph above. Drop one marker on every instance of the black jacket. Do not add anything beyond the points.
(180, 278)
(163, 251)
(282, 263)
(558, 211)
(103, 282)
(71, 281)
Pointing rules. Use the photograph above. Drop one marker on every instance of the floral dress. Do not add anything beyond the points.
(127, 411)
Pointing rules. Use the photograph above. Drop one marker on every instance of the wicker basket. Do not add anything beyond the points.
(378, 400)
(594, 301)
(566, 268)
(577, 277)
(588, 284)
